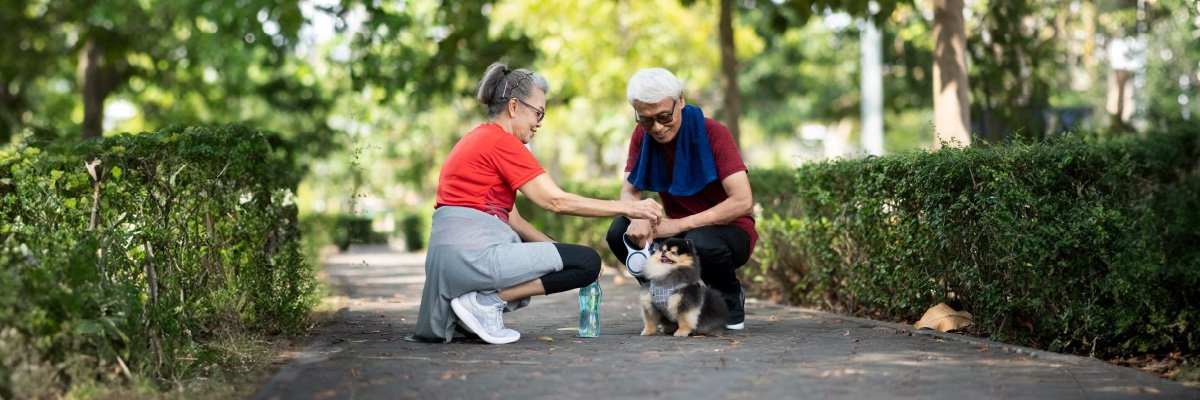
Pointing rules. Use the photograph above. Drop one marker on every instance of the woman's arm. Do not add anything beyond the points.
(547, 195)
(526, 231)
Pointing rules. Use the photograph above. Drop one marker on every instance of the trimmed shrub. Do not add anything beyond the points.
(188, 235)
(1078, 245)
(414, 226)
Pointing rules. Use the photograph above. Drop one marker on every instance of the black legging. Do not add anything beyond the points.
(581, 267)
(722, 249)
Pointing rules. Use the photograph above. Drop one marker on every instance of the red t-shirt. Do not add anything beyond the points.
(728, 161)
(484, 171)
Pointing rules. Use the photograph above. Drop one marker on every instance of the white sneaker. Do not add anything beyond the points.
(485, 321)
(635, 262)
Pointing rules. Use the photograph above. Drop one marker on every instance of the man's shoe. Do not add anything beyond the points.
(736, 303)
(485, 321)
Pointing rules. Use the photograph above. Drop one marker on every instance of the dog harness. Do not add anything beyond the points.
(661, 295)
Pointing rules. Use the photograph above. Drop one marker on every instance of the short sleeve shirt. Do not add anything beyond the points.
(484, 171)
(728, 161)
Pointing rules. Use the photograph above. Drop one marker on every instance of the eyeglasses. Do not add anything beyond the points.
(662, 118)
(541, 112)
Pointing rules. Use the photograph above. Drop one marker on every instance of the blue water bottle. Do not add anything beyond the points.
(589, 310)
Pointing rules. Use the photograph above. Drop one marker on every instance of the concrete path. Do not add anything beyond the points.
(784, 353)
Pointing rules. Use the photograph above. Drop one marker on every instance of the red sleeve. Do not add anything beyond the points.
(515, 163)
(635, 147)
(725, 150)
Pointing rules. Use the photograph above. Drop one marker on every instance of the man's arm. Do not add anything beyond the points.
(740, 203)
(628, 191)
(526, 231)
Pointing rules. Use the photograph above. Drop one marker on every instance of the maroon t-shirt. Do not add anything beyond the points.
(728, 161)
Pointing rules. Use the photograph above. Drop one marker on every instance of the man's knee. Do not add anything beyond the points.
(617, 228)
(615, 232)
(711, 250)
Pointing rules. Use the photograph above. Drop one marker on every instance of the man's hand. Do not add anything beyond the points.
(639, 233)
(668, 227)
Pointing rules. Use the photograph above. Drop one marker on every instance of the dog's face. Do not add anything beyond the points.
(675, 253)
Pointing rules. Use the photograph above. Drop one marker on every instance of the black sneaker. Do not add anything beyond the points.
(736, 303)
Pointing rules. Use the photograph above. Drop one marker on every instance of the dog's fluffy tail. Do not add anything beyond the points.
(713, 314)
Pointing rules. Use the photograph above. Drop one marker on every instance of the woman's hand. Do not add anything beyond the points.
(645, 209)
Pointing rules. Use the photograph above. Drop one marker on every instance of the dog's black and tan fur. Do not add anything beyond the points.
(694, 307)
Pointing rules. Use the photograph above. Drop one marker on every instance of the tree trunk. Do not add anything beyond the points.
(729, 73)
(97, 81)
(871, 86)
(951, 109)
(1120, 100)
(10, 111)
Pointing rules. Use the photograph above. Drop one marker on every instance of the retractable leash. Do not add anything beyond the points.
(636, 261)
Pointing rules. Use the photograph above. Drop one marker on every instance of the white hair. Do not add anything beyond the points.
(652, 85)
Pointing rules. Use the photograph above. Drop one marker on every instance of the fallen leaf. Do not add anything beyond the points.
(545, 338)
(569, 329)
(943, 318)
(773, 318)
(730, 340)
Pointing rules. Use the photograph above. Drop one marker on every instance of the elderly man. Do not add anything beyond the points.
(693, 163)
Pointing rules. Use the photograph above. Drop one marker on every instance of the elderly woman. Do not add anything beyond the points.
(484, 259)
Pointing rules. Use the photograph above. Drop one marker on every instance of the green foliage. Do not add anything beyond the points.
(178, 61)
(414, 226)
(195, 240)
(1013, 86)
(774, 191)
(427, 48)
(1077, 245)
(1173, 59)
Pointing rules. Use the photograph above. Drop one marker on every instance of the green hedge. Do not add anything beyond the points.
(195, 241)
(1079, 245)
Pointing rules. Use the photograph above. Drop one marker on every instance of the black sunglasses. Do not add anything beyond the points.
(541, 112)
(662, 118)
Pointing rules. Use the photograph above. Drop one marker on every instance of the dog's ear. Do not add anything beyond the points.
(691, 248)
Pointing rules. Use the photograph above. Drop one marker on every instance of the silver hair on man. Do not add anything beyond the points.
(652, 85)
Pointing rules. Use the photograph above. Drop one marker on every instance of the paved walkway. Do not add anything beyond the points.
(784, 353)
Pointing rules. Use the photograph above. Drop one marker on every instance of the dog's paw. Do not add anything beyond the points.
(682, 333)
(647, 332)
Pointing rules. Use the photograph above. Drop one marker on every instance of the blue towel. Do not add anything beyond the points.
(694, 165)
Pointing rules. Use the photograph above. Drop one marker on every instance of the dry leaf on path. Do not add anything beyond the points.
(943, 318)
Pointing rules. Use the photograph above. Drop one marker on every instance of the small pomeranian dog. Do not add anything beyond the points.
(676, 298)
